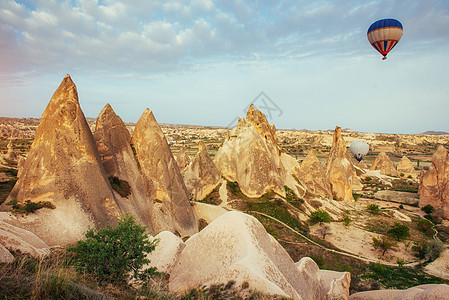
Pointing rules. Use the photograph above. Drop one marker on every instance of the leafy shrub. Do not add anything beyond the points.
(356, 196)
(428, 209)
(373, 208)
(428, 250)
(426, 227)
(122, 187)
(346, 221)
(320, 216)
(399, 231)
(29, 207)
(291, 197)
(112, 253)
(384, 244)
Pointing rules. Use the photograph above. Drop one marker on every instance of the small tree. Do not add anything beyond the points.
(112, 253)
(399, 231)
(384, 244)
(373, 208)
(428, 209)
(320, 216)
(324, 231)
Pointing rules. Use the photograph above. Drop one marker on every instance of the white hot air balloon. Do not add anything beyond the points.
(359, 149)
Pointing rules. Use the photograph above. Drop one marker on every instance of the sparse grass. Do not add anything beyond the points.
(29, 207)
(214, 197)
(5, 189)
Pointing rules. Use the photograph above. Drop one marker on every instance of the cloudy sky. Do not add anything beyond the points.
(203, 62)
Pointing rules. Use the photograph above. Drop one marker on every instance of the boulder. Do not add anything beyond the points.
(182, 159)
(166, 253)
(113, 143)
(310, 277)
(236, 247)
(313, 175)
(420, 292)
(339, 169)
(63, 167)
(384, 164)
(406, 167)
(336, 284)
(440, 266)
(201, 176)
(162, 178)
(434, 183)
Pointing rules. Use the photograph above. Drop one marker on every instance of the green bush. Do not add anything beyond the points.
(426, 227)
(373, 208)
(320, 216)
(384, 244)
(291, 197)
(346, 221)
(399, 231)
(111, 254)
(428, 209)
(28, 206)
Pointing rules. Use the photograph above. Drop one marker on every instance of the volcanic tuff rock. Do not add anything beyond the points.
(201, 176)
(63, 167)
(162, 178)
(434, 183)
(384, 164)
(113, 143)
(11, 155)
(310, 276)
(182, 159)
(251, 157)
(336, 284)
(313, 175)
(339, 169)
(166, 253)
(420, 292)
(236, 247)
(405, 166)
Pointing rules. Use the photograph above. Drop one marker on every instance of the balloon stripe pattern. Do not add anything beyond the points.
(384, 34)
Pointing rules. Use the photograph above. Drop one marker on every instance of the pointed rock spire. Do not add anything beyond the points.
(182, 159)
(313, 175)
(384, 164)
(63, 167)
(163, 180)
(406, 167)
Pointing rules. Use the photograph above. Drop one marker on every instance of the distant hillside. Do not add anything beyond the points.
(435, 132)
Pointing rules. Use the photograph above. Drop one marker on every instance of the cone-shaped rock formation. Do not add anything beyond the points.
(113, 142)
(339, 169)
(163, 180)
(313, 175)
(63, 167)
(434, 183)
(182, 159)
(201, 176)
(405, 166)
(384, 164)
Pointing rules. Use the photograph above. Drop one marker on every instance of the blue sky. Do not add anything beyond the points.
(202, 62)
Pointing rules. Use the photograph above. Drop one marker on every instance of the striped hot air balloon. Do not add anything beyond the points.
(384, 34)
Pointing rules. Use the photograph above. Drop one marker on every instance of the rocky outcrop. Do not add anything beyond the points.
(5, 255)
(251, 157)
(162, 178)
(236, 247)
(313, 175)
(406, 167)
(420, 292)
(166, 253)
(340, 171)
(11, 155)
(336, 284)
(434, 183)
(63, 167)
(182, 159)
(113, 142)
(201, 176)
(384, 164)
(19, 240)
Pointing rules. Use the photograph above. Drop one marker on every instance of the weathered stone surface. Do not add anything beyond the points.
(396, 196)
(64, 168)
(166, 253)
(440, 266)
(339, 169)
(313, 175)
(201, 176)
(434, 183)
(384, 164)
(113, 142)
(11, 155)
(420, 292)
(5, 255)
(310, 278)
(182, 159)
(23, 241)
(236, 247)
(336, 284)
(163, 180)
(405, 166)
(291, 178)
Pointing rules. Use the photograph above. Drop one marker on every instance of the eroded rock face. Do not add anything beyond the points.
(313, 175)
(251, 157)
(339, 169)
(63, 167)
(201, 176)
(384, 164)
(11, 155)
(336, 284)
(310, 278)
(405, 166)
(236, 247)
(166, 253)
(182, 159)
(162, 178)
(434, 183)
(113, 142)
(420, 292)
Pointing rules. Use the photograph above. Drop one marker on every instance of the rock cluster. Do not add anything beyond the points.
(340, 170)
(434, 183)
(201, 176)
(384, 164)
(425, 291)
